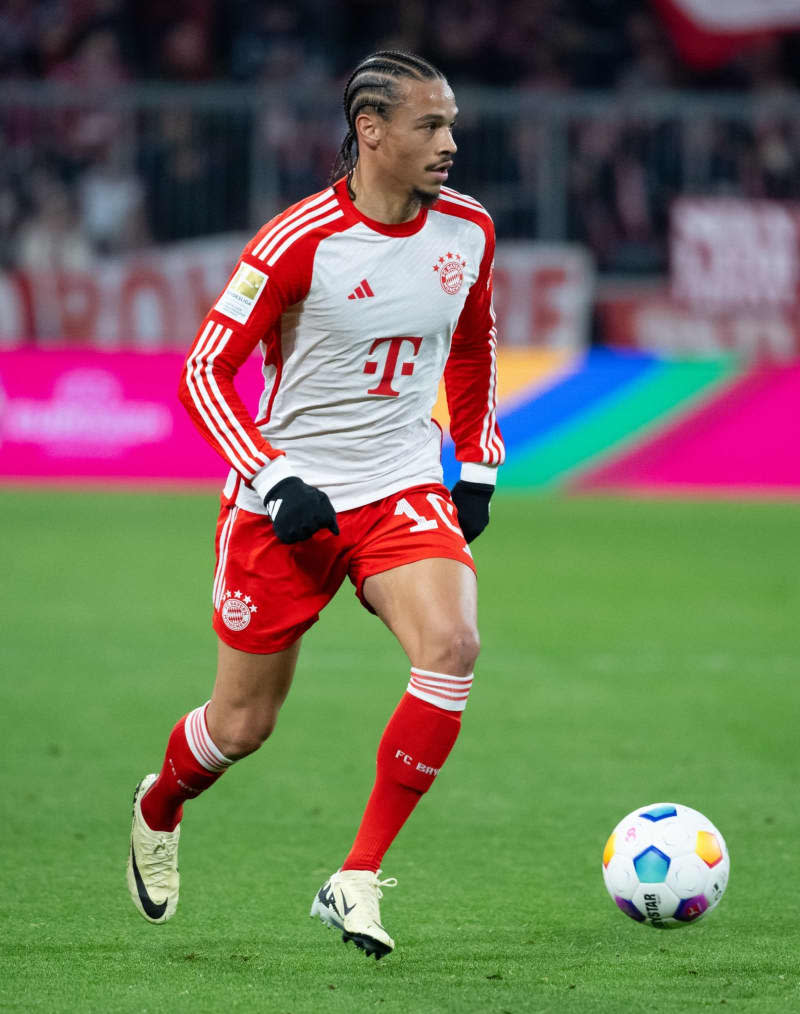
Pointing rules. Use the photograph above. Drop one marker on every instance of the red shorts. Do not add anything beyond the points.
(266, 594)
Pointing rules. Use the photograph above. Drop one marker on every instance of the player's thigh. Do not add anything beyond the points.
(415, 570)
(266, 593)
(248, 693)
(431, 606)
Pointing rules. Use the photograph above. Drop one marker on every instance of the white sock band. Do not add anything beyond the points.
(201, 744)
(448, 692)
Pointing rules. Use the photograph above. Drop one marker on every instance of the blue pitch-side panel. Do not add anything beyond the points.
(659, 812)
(601, 374)
(449, 464)
(651, 866)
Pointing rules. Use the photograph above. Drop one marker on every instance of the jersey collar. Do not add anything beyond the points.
(402, 229)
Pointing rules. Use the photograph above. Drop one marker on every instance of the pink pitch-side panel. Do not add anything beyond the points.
(84, 414)
(747, 439)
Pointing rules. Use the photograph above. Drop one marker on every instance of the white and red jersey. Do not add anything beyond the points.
(357, 321)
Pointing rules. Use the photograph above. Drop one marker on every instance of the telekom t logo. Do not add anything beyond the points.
(394, 346)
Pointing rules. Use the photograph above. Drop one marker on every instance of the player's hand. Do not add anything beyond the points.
(298, 510)
(472, 503)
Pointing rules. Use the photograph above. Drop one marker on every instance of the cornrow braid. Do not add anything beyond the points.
(373, 84)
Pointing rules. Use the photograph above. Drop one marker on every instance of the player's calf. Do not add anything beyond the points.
(412, 750)
(192, 763)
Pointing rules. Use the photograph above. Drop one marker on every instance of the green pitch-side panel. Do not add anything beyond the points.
(617, 422)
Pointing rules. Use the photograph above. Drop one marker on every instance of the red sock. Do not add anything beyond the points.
(414, 746)
(192, 763)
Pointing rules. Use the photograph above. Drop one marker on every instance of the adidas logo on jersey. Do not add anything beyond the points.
(362, 290)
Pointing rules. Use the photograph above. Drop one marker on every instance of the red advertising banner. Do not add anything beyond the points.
(730, 253)
(543, 294)
(157, 299)
(734, 285)
(708, 33)
(652, 321)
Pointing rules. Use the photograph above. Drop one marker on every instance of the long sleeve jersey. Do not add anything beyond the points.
(356, 321)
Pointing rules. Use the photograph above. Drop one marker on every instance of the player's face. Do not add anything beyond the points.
(417, 147)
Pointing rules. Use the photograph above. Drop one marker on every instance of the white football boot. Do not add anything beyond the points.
(348, 901)
(153, 879)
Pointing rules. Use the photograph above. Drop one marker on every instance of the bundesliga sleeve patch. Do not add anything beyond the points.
(242, 293)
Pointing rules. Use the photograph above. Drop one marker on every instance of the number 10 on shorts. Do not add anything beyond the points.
(440, 506)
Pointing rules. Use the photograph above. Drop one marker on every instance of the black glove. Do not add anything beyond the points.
(472, 503)
(298, 510)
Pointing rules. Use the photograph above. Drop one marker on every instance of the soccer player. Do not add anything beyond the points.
(361, 297)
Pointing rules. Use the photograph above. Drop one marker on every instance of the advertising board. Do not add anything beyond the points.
(156, 299)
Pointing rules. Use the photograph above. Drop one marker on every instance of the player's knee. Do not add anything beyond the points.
(466, 648)
(241, 735)
(453, 650)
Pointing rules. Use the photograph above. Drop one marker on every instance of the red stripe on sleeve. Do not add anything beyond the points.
(471, 371)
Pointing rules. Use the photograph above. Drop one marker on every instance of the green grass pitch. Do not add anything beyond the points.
(633, 652)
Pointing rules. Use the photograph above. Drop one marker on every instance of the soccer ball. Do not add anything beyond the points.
(666, 865)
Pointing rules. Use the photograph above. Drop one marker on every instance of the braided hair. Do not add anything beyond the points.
(374, 83)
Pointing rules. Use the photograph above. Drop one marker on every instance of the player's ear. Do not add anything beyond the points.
(369, 129)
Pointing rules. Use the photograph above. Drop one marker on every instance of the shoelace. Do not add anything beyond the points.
(161, 862)
(368, 892)
(378, 884)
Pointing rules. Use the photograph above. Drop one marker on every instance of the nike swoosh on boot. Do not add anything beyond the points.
(151, 908)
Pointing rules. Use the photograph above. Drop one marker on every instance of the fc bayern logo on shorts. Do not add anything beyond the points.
(237, 610)
(450, 269)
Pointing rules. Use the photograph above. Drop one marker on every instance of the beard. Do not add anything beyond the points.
(425, 197)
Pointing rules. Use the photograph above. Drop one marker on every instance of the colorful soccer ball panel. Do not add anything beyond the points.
(651, 866)
(629, 908)
(691, 908)
(659, 812)
(708, 848)
(608, 851)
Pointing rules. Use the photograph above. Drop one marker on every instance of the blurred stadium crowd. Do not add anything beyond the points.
(86, 182)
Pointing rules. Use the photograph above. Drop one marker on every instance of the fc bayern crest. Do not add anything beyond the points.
(237, 609)
(450, 269)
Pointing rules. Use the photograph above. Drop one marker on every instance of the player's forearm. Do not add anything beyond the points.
(207, 392)
(470, 382)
